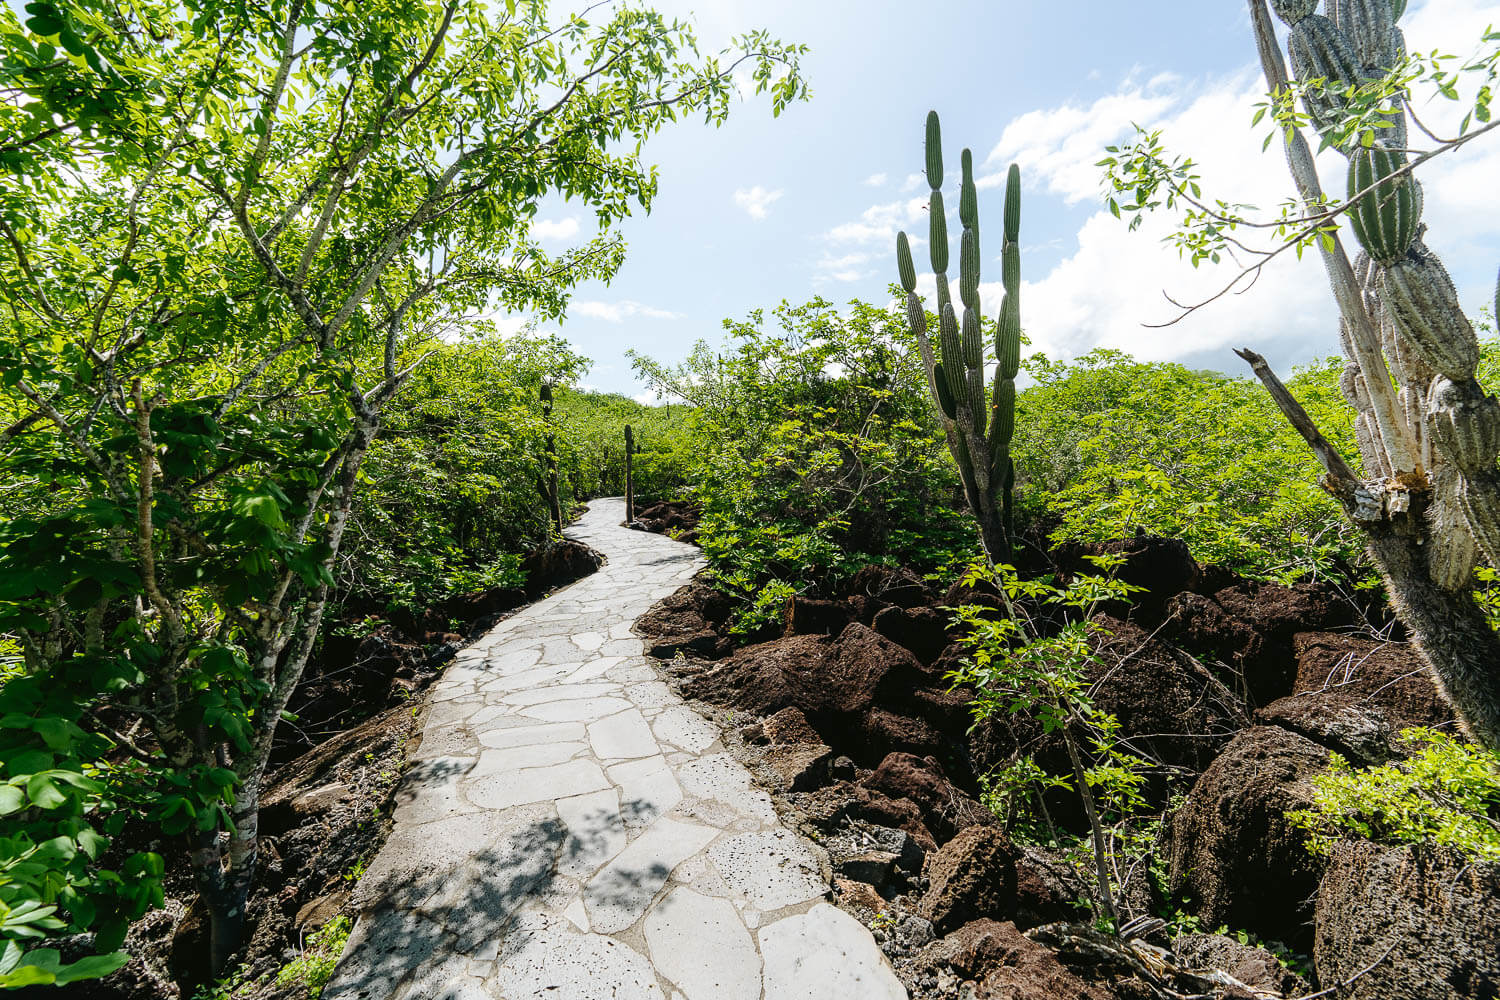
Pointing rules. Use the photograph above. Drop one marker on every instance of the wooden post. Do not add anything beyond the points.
(629, 474)
(554, 502)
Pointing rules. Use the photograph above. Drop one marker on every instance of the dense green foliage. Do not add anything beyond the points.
(817, 453)
(592, 447)
(1447, 793)
(226, 251)
(452, 491)
(1109, 446)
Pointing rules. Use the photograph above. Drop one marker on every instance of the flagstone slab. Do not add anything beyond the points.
(569, 829)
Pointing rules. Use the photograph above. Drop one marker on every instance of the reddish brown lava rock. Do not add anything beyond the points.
(1172, 708)
(1233, 851)
(1408, 922)
(1339, 722)
(760, 678)
(923, 631)
(810, 616)
(790, 726)
(945, 808)
(971, 876)
(1008, 965)
(1389, 676)
(855, 672)
(1249, 626)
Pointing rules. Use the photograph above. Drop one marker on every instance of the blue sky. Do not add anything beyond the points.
(767, 209)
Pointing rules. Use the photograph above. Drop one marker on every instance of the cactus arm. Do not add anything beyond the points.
(937, 233)
(1364, 340)
(904, 265)
(934, 151)
(956, 368)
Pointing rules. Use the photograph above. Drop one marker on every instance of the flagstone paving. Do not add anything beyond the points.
(570, 830)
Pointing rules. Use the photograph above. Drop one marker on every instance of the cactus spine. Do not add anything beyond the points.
(1431, 513)
(979, 424)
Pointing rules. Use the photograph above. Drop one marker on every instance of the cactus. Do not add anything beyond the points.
(1319, 51)
(904, 264)
(978, 424)
(1370, 28)
(1384, 220)
(1292, 11)
(1422, 305)
(1429, 498)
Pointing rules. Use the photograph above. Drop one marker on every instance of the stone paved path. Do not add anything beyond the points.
(570, 830)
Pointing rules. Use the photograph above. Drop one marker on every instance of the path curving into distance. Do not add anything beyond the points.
(570, 830)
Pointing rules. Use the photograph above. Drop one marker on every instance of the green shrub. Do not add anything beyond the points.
(314, 967)
(1108, 446)
(451, 485)
(816, 452)
(1447, 793)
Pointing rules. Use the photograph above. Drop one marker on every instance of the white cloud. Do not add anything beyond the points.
(554, 230)
(876, 180)
(618, 312)
(878, 223)
(1114, 281)
(1063, 144)
(756, 201)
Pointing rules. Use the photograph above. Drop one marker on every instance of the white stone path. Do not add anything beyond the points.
(570, 830)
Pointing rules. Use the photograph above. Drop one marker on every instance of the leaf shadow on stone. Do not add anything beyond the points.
(416, 932)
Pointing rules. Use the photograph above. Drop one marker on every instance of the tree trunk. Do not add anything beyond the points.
(992, 530)
(1448, 629)
(223, 871)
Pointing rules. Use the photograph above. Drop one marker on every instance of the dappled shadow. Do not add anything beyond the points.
(414, 937)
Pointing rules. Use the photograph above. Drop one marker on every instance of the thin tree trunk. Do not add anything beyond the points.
(1096, 829)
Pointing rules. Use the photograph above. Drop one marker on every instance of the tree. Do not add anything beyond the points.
(231, 230)
(1428, 434)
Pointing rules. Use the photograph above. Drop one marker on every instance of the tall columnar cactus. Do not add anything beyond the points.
(978, 423)
(1429, 435)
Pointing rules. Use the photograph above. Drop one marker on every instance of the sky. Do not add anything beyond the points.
(768, 209)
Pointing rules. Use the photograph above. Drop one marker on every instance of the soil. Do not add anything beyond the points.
(1236, 691)
(326, 810)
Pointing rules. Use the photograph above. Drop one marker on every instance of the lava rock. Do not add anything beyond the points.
(1416, 923)
(946, 809)
(1233, 851)
(971, 876)
(900, 587)
(1257, 968)
(1161, 567)
(810, 616)
(923, 631)
(762, 679)
(796, 767)
(1388, 676)
(1007, 965)
(687, 621)
(1338, 722)
(558, 565)
(789, 726)
(1173, 709)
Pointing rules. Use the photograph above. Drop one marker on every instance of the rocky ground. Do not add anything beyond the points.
(1238, 691)
(327, 810)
